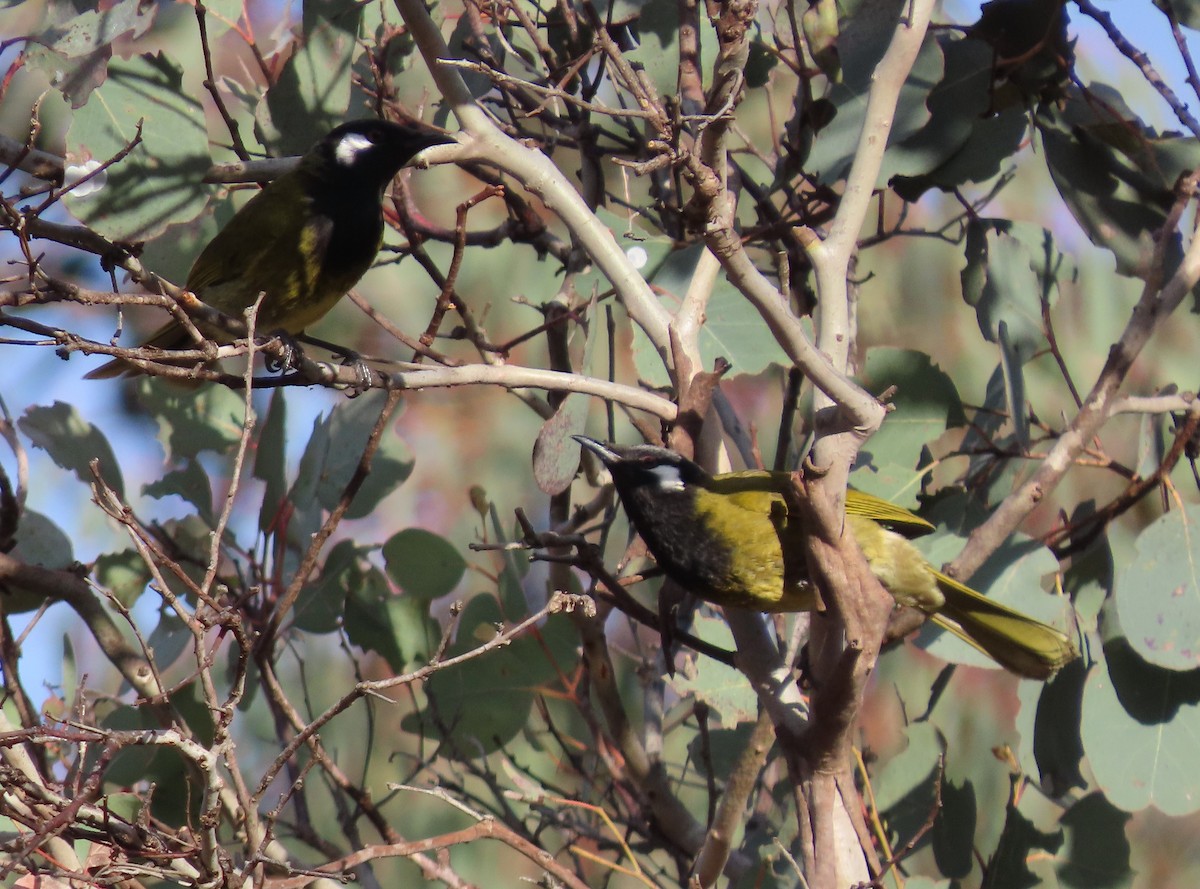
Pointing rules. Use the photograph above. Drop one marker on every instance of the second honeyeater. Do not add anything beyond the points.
(729, 539)
(305, 239)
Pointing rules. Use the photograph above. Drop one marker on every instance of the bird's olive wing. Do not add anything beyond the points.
(271, 222)
(886, 513)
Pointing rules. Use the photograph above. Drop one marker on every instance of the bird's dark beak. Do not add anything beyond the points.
(606, 454)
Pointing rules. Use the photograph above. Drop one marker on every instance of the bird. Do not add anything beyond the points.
(730, 539)
(304, 240)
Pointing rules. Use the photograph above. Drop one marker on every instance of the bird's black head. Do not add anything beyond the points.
(645, 467)
(369, 152)
(662, 493)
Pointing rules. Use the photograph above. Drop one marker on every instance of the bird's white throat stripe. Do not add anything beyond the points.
(349, 147)
(667, 478)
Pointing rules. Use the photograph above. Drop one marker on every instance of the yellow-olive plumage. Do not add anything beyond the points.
(730, 539)
(304, 240)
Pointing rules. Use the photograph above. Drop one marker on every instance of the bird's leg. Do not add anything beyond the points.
(362, 372)
(291, 352)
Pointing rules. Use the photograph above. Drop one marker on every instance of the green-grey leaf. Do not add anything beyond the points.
(658, 50)
(926, 405)
(160, 181)
(124, 574)
(1002, 282)
(423, 564)
(512, 592)
(1014, 385)
(86, 31)
(904, 785)
(74, 52)
(333, 453)
(38, 542)
(555, 455)
(1158, 592)
(191, 421)
(191, 483)
(1139, 729)
(732, 329)
(369, 620)
(1049, 726)
(723, 688)
(270, 460)
(72, 443)
(484, 702)
(1115, 174)
(860, 47)
(1187, 11)
(322, 601)
(1023, 854)
(312, 92)
(956, 103)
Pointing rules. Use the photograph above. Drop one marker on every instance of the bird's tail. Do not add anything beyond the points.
(1025, 646)
(170, 336)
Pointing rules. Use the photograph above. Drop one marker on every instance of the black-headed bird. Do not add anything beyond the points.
(730, 539)
(303, 241)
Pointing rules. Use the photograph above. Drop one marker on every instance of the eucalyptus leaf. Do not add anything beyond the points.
(72, 443)
(1187, 11)
(1050, 746)
(368, 618)
(732, 328)
(860, 47)
(1139, 729)
(192, 421)
(190, 483)
(1009, 268)
(321, 604)
(1024, 849)
(38, 541)
(124, 574)
(160, 181)
(723, 688)
(1158, 592)
(87, 31)
(555, 454)
(270, 460)
(905, 785)
(311, 95)
(1115, 174)
(423, 564)
(958, 104)
(74, 51)
(926, 404)
(1014, 385)
(484, 702)
(334, 451)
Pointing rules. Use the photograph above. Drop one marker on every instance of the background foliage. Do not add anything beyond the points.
(284, 634)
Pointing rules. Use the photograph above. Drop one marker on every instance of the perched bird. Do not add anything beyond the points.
(304, 240)
(729, 539)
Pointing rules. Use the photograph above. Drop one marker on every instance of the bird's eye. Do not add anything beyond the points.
(375, 136)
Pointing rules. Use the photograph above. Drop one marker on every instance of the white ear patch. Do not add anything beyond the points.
(349, 147)
(667, 477)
